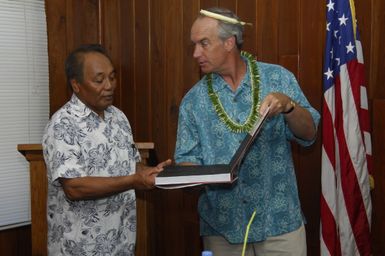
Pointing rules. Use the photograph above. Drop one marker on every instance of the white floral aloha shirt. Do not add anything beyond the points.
(78, 143)
(267, 182)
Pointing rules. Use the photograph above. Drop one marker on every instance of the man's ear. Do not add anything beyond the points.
(75, 85)
(230, 43)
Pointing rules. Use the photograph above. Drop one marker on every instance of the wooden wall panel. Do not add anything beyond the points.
(81, 16)
(267, 30)
(378, 220)
(247, 10)
(57, 50)
(110, 20)
(191, 70)
(16, 241)
(127, 70)
(159, 104)
(69, 24)
(311, 41)
(173, 65)
(377, 61)
(140, 65)
(207, 4)
(288, 35)
(376, 77)
(229, 4)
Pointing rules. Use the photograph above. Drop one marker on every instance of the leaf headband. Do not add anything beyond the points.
(223, 18)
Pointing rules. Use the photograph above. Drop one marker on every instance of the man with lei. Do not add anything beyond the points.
(214, 117)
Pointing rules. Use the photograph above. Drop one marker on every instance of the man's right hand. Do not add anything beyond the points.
(145, 175)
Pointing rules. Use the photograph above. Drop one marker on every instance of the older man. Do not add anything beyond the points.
(92, 164)
(214, 118)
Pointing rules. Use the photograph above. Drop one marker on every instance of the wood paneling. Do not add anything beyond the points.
(377, 53)
(308, 160)
(57, 51)
(140, 69)
(112, 40)
(267, 30)
(247, 10)
(16, 241)
(378, 218)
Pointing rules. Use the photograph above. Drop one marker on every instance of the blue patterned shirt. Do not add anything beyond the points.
(267, 181)
(78, 143)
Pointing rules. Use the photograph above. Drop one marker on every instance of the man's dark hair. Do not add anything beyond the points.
(75, 60)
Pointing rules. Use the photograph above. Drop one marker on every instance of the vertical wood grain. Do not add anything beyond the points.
(111, 40)
(69, 24)
(311, 42)
(247, 11)
(82, 21)
(140, 66)
(57, 51)
(267, 28)
(378, 220)
(208, 3)
(288, 35)
(375, 35)
(191, 70)
(229, 4)
(16, 241)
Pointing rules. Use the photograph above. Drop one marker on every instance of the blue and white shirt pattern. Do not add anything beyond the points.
(266, 182)
(78, 143)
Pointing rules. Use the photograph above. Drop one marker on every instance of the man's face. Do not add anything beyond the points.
(99, 82)
(209, 49)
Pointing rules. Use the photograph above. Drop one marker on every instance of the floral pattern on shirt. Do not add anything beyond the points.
(266, 181)
(78, 143)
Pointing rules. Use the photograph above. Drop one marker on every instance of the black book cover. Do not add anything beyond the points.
(189, 175)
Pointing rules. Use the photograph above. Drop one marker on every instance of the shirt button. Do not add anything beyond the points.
(244, 201)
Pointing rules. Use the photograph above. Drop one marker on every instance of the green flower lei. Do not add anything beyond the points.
(253, 115)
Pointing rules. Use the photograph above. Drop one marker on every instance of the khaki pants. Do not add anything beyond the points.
(290, 244)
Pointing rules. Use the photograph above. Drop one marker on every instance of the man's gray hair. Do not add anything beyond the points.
(226, 29)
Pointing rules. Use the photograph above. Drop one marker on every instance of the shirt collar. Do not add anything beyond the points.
(79, 109)
(220, 84)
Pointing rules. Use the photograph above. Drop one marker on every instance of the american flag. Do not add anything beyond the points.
(346, 144)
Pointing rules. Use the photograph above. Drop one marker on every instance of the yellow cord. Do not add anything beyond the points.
(247, 232)
(354, 21)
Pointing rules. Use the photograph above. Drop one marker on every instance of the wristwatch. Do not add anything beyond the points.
(293, 104)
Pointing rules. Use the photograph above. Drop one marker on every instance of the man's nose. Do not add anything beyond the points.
(110, 84)
(197, 51)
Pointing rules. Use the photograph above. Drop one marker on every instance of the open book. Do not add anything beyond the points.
(178, 176)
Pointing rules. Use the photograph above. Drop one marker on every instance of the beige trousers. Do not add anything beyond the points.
(290, 244)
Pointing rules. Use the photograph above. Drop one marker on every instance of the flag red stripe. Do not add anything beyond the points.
(329, 231)
(328, 135)
(364, 120)
(351, 190)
